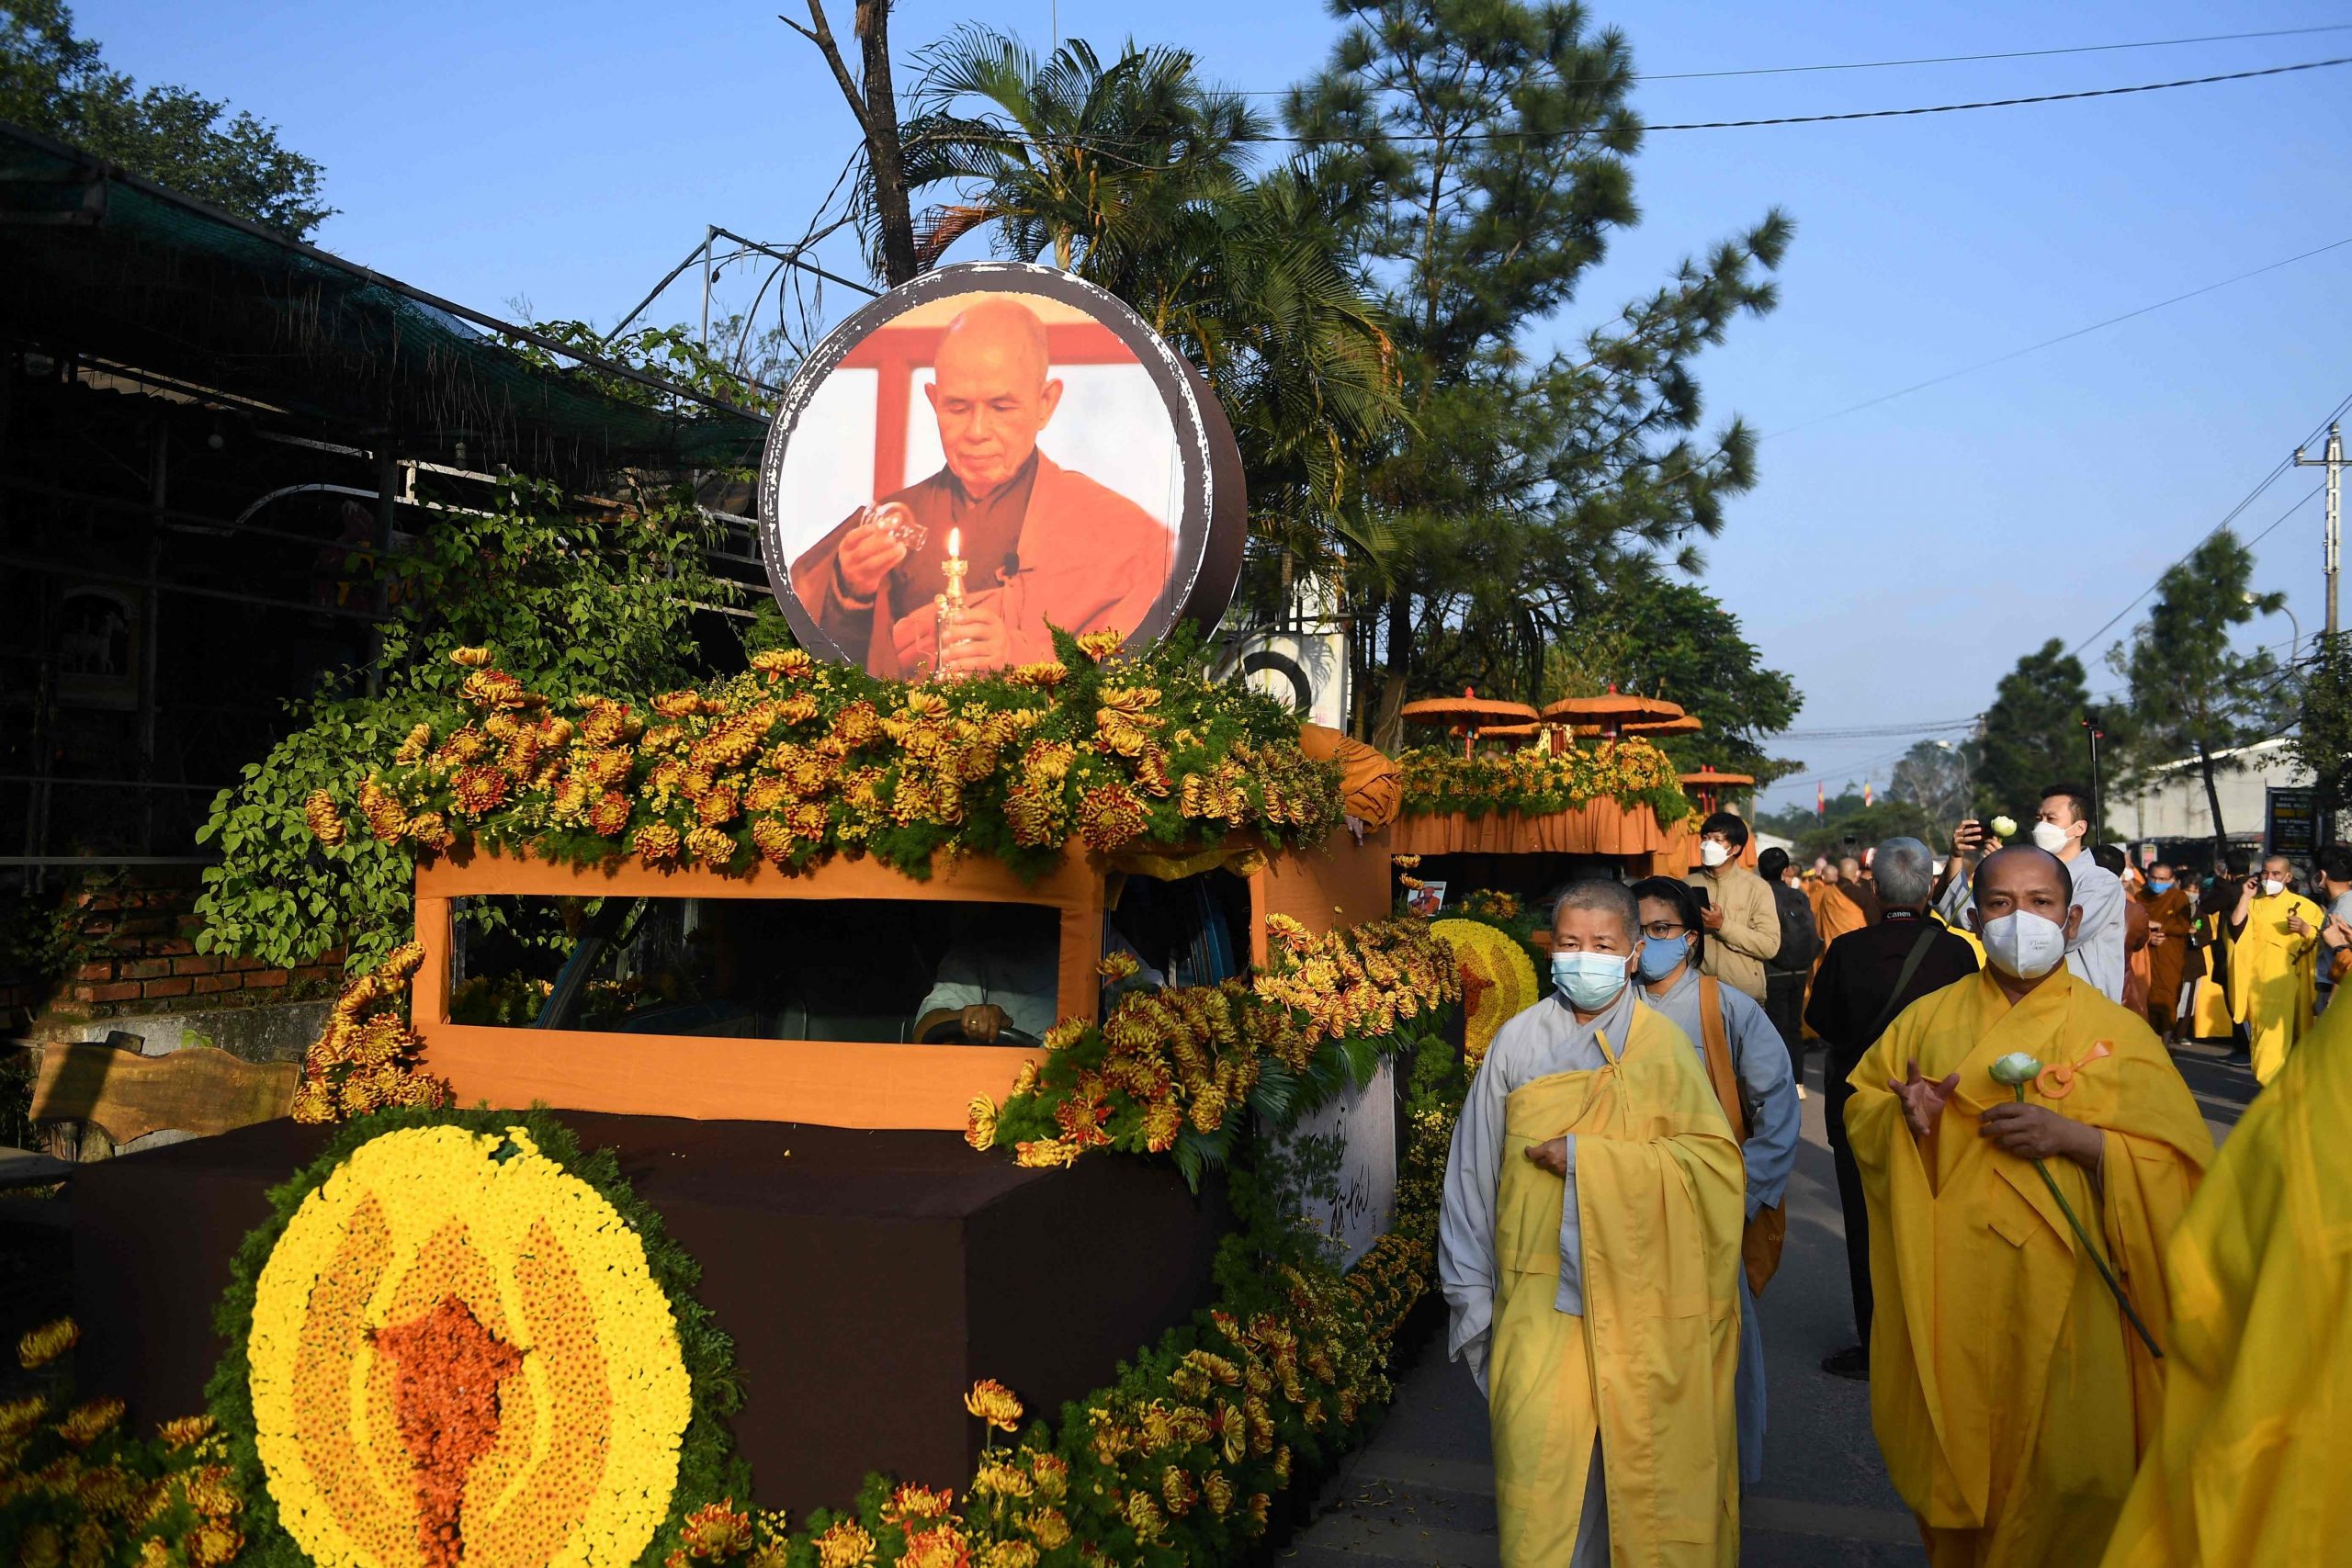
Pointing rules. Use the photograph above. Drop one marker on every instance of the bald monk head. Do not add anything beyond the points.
(990, 392)
(2025, 880)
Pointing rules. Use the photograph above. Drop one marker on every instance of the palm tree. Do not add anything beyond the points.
(1090, 161)
(1136, 175)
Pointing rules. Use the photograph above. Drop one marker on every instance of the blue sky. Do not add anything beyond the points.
(1896, 561)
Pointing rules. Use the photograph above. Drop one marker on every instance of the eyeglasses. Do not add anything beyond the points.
(1665, 930)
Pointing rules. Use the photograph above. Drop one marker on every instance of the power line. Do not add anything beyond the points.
(1922, 60)
(1857, 114)
(2253, 495)
(2053, 342)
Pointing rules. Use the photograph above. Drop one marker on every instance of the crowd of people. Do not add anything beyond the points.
(2090, 1338)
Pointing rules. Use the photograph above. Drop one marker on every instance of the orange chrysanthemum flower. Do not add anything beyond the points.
(478, 790)
(48, 1342)
(913, 1505)
(324, 818)
(657, 844)
(992, 1402)
(845, 1545)
(716, 1530)
(186, 1432)
(609, 816)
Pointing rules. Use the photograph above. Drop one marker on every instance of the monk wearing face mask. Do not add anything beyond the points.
(2008, 1391)
(1589, 1252)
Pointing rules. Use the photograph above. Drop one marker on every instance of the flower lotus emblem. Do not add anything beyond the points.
(458, 1354)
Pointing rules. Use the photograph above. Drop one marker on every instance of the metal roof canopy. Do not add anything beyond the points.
(102, 263)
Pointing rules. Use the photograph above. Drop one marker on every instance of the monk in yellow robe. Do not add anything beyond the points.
(2274, 977)
(2171, 916)
(2250, 1464)
(2008, 1392)
(1589, 1251)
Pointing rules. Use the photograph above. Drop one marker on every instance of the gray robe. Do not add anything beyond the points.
(1544, 1040)
(1768, 1092)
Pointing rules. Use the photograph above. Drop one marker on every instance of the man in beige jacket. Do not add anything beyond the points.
(1743, 925)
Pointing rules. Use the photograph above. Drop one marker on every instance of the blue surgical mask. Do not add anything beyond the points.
(2159, 886)
(1662, 956)
(1589, 980)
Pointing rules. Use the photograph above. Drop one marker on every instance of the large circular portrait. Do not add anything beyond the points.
(991, 451)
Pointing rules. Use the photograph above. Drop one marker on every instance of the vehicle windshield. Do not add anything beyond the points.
(861, 969)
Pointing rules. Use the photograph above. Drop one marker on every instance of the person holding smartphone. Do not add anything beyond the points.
(2062, 826)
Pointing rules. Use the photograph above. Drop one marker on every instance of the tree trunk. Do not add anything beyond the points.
(1388, 726)
(875, 106)
(2213, 804)
(890, 209)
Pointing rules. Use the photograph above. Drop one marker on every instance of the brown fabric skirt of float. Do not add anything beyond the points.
(866, 1278)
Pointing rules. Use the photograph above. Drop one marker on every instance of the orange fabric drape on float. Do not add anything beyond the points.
(1597, 828)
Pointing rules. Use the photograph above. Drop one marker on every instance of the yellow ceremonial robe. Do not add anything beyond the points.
(2253, 1465)
(2009, 1395)
(2274, 977)
(1648, 1367)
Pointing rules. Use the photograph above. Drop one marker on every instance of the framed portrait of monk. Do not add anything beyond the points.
(987, 453)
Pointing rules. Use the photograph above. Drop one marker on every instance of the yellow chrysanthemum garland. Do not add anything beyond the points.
(1533, 779)
(1166, 1070)
(797, 760)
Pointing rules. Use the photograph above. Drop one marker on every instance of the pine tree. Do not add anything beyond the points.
(2032, 735)
(2323, 741)
(2192, 694)
(1485, 147)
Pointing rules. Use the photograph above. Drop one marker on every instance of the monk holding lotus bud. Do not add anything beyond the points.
(2010, 1391)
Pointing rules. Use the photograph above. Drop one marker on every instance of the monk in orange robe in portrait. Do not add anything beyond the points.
(1045, 544)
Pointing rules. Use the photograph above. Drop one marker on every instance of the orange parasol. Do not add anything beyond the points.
(1709, 785)
(1470, 711)
(1686, 725)
(1611, 710)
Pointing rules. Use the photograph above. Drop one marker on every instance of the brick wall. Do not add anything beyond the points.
(138, 955)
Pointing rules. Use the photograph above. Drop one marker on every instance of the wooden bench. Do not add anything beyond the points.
(124, 1095)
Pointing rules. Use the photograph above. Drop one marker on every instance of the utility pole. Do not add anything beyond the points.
(2098, 835)
(2332, 545)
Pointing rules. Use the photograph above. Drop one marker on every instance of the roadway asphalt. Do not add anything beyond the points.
(1422, 1491)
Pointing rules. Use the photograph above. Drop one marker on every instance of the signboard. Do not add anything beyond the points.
(1353, 1205)
(2290, 822)
(989, 450)
(1303, 662)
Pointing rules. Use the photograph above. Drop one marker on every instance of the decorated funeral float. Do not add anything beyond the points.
(951, 1094)
(1535, 800)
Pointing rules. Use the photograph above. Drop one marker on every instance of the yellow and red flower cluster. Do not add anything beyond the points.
(76, 1492)
(1533, 779)
(796, 760)
(1163, 1063)
(365, 1060)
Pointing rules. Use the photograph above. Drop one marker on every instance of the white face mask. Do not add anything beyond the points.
(2272, 887)
(2024, 944)
(1711, 853)
(2051, 837)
